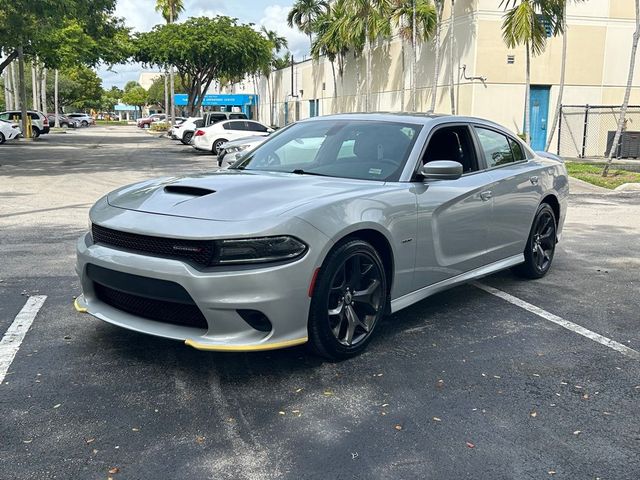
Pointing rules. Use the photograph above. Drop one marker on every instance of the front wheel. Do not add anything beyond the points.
(2, 139)
(541, 245)
(86, 124)
(217, 145)
(349, 299)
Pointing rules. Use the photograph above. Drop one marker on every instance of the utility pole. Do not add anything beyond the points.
(23, 93)
(43, 90)
(16, 87)
(55, 99)
(34, 86)
(171, 80)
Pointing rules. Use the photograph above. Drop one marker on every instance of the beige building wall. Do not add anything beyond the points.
(598, 53)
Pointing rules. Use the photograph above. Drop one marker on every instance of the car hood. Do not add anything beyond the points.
(234, 195)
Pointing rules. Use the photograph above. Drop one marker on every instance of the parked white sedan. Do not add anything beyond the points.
(8, 131)
(211, 138)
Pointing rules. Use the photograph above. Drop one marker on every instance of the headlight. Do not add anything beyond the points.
(236, 149)
(259, 250)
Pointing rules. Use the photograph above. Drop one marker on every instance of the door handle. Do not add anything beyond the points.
(534, 180)
(484, 196)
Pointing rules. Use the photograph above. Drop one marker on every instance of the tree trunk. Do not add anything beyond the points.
(34, 86)
(166, 93)
(23, 93)
(7, 61)
(8, 94)
(414, 64)
(627, 93)
(16, 88)
(527, 91)
(451, 57)
(563, 67)
(43, 90)
(335, 80)
(56, 108)
(172, 88)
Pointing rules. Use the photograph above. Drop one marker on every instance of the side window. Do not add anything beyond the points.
(234, 126)
(516, 149)
(34, 116)
(234, 116)
(452, 143)
(256, 127)
(495, 146)
(4, 116)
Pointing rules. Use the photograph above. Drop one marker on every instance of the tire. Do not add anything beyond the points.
(541, 245)
(347, 307)
(35, 131)
(145, 126)
(85, 123)
(186, 138)
(2, 139)
(215, 147)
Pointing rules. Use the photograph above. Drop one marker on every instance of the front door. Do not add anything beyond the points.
(453, 215)
(539, 116)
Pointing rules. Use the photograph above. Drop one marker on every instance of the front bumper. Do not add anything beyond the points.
(278, 291)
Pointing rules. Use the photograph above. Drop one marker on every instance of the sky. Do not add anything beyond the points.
(141, 16)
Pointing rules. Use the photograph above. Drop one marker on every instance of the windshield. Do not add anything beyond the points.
(359, 149)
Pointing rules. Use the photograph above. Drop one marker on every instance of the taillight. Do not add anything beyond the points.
(199, 133)
(45, 122)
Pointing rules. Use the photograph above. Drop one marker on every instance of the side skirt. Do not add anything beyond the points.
(413, 297)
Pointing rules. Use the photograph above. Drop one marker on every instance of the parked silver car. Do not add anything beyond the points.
(230, 152)
(320, 231)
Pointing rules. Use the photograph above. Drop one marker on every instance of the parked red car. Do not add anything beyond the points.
(147, 121)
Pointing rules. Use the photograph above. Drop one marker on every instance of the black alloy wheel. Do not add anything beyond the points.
(541, 245)
(349, 299)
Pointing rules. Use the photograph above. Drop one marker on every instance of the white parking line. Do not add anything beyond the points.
(10, 343)
(574, 327)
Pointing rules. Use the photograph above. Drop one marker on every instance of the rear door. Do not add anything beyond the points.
(452, 214)
(514, 189)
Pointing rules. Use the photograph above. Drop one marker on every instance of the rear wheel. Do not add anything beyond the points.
(541, 245)
(217, 145)
(35, 131)
(348, 302)
(186, 138)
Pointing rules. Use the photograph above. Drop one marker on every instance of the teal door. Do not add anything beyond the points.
(539, 116)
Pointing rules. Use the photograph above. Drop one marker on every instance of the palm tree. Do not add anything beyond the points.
(627, 92)
(363, 23)
(439, 7)
(277, 44)
(170, 9)
(304, 13)
(452, 21)
(560, 18)
(416, 20)
(329, 42)
(523, 24)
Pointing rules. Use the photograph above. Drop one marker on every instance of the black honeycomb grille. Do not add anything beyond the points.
(159, 310)
(200, 252)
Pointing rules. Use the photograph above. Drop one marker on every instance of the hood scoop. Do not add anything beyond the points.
(188, 190)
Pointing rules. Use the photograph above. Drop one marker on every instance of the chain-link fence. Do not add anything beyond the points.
(588, 131)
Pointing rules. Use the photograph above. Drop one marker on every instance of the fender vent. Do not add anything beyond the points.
(187, 190)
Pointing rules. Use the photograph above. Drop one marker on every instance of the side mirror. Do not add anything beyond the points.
(441, 170)
(270, 130)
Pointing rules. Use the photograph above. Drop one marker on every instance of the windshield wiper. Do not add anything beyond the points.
(299, 171)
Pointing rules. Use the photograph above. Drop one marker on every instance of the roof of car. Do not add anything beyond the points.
(408, 117)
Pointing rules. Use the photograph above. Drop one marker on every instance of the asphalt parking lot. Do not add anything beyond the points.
(462, 385)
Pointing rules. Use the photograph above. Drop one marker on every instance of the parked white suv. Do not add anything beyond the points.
(39, 121)
(212, 138)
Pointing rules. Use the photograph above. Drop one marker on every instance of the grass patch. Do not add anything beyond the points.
(592, 173)
(111, 122)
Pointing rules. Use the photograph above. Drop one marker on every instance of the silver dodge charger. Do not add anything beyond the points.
(320, 231)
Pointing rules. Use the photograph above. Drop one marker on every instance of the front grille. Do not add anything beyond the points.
(158, 310)
(197, 251)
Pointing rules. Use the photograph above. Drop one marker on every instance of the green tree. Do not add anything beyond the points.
(364, 22)
(130, 84)
(203, 50)
(110, 98)
(155, 93)
(627, 92)
(524, 24)
(304, 13)
(277, 44)
(136, 96)
(416, 21)
(170, 9)
(79, 88)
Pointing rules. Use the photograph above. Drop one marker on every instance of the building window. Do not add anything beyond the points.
(314, 108)
(547, 25)
(511, 59)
